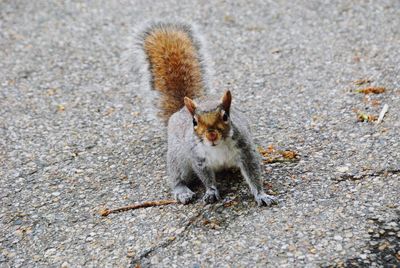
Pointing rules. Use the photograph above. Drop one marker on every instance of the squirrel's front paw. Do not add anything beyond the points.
(183, 195)
(265, 199)
(184, 198)
(211, 196)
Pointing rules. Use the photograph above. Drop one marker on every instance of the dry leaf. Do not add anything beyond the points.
(363, 117)
(272, 155)
(288, 154)
(372, 90)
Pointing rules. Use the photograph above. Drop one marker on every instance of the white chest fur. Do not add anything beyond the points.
(224, 155)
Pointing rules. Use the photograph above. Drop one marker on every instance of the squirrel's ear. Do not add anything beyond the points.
(190, 105)
(226, 100)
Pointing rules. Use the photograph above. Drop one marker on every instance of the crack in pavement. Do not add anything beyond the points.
(135, 262)
(357, 177)
(215, 208)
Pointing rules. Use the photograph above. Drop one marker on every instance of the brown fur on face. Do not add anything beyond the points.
(211, 126)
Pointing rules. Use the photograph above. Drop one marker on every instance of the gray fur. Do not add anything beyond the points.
(187, 155)
(184, 159)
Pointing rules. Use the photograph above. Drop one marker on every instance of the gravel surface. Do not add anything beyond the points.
(78, 134)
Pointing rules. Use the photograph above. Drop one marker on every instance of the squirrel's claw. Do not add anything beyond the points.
(265, 199)
(211, 196)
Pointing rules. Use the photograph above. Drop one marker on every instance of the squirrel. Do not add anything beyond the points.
(205, 134)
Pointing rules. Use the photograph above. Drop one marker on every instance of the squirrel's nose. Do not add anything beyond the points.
(212, 135)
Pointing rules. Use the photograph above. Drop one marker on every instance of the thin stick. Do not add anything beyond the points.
(382, 113)
(105, 212)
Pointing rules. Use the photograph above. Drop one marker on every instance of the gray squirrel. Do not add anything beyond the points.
(205, 134)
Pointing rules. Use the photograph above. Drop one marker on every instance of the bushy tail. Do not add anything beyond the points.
(176, 66)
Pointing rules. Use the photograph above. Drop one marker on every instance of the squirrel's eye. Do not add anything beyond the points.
(225, 117)
(194, 122)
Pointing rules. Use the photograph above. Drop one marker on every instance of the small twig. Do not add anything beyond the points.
(105, 212)
(382, 113)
